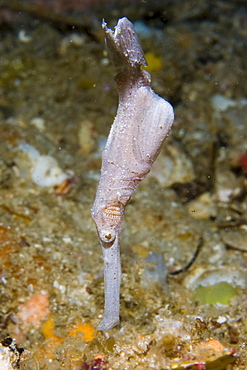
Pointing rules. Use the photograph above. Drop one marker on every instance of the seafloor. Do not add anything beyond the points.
(57, 102)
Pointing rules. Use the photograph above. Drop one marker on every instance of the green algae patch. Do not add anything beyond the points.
(222, 293)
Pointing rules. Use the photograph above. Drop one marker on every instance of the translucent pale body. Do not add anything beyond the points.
(142, 123)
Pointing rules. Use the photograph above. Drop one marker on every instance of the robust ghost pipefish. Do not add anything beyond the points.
(141, 125)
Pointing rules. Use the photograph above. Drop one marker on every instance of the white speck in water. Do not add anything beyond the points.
(23, 37)
(3, 280)
(38, 122)
(221, 319)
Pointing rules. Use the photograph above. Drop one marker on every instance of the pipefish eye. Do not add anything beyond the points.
(107, 235)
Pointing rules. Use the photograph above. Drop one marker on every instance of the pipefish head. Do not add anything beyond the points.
(108, 222)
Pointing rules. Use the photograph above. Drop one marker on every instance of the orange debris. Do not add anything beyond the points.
(34, 310)
(99, 356)
(52, 341)
(86, 330)
(212, 344)
(64, 187)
